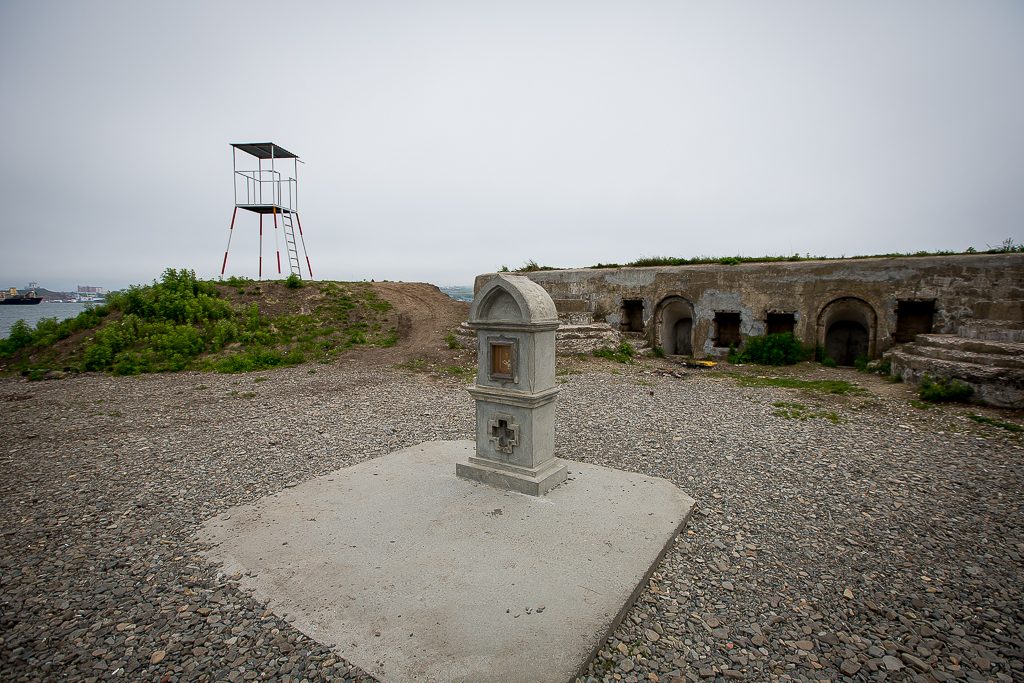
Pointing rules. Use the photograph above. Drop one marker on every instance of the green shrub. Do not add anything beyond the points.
(942, 390)
(623, 353)
(778, 348)
(735, 357)
(828, 362)
(179, 297)
(885, 366)
(97, 357)
(19, 337)
(257, 359)
(293, 281)
(453, 343)
(658, 352)
(861, 362)
(132, 363)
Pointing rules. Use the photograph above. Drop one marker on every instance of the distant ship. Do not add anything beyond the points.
(12, 298)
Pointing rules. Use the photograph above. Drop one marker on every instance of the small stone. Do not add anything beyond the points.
(721, 633)
(734, 674)
(651, 635)
(982, 663)
(913, 661)
(849, 667)
(848, 594)
(626, 665)
(891, 663)
(157, 657)
(805, 645)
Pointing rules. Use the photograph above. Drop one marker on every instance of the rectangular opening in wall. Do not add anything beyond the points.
(781, 322)
(633, 315)
(727, 328)
(913, 318)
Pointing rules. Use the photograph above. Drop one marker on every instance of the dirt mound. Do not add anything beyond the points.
(349, 318)
(425, 317)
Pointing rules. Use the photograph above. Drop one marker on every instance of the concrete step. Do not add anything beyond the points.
(950, 354)
(980, 351)
(971, 345)
(1002, 387)
(585, 331)
(992, 330)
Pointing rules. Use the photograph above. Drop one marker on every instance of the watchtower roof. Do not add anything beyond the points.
(264, 150)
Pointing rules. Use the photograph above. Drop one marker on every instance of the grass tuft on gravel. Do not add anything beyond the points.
(1008, 426)
(798, 411)
(840, 387)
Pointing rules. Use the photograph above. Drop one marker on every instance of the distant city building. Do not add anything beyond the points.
(90, 290)
(33, 285)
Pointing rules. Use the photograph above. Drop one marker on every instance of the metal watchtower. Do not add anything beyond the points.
(264, 190)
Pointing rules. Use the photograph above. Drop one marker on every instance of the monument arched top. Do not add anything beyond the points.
(513, 300)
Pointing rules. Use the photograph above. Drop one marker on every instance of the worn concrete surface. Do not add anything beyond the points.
(416, 575)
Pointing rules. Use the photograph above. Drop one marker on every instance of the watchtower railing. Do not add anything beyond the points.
(265, 187)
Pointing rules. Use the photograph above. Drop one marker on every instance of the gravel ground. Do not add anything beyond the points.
(881, 544)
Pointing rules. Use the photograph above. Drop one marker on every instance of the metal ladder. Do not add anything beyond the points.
(289, 241)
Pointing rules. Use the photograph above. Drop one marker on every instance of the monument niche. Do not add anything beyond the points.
(515, 392)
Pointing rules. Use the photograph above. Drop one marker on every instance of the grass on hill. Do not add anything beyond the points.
(1008, 246)
(182, 322)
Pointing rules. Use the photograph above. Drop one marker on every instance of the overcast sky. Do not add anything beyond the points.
(446, 139)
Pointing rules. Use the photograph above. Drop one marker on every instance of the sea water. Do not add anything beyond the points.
(33, 314)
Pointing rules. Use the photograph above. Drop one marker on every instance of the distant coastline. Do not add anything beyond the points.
(33, 314)
(458, 292)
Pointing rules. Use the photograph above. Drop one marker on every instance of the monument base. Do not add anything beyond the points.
(532, 482)
(414, 574)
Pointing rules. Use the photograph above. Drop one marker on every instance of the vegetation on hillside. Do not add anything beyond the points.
(182, 322)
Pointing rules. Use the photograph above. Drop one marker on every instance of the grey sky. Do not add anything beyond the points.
(445, 139)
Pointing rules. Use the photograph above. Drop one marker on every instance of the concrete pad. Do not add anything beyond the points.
(414, 574)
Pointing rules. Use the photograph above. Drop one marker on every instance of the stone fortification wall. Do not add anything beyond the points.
(851, 307)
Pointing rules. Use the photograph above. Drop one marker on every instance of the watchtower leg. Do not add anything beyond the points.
(230, 233)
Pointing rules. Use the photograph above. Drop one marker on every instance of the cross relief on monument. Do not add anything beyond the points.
(504, 433)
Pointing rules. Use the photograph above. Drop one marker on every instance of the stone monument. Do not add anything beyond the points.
(515, 392)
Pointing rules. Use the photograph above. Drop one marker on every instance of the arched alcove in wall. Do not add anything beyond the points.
(846, 328)
(676, 326)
